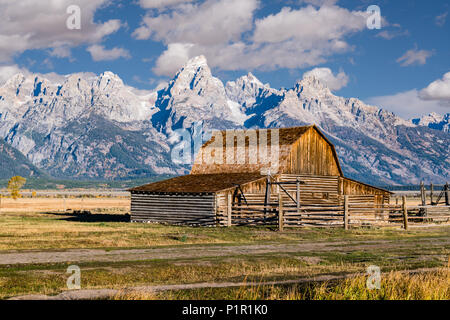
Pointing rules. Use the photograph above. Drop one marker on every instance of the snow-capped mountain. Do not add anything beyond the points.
(89, 126)
(434, 121)
(83, 127)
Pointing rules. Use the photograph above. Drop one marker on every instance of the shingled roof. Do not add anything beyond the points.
(200, 183)
(287, 136)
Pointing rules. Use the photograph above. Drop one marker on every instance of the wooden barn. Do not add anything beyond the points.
(239, 170)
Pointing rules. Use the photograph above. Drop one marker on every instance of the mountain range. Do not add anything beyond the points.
(83, 126)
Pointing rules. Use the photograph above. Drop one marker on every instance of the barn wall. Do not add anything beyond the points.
(312, 155)
(173, 209)
(351, 187)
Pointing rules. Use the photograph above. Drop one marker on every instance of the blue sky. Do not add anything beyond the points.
(145, 41)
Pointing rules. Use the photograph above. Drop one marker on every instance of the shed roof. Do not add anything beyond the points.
(200, 183)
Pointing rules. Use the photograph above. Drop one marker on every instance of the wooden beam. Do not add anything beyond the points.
(422, 193)
(229, 209)
(447, 194)
(346, 212)
(405, 213)
(280, 213)
(298, 196)
(267, 196)
(431, 194)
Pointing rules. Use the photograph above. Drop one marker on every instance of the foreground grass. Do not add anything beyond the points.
(51, 279)
(27, 231)
(426, 248)
(394, 286)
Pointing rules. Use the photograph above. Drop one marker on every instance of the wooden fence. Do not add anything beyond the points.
(350, 211)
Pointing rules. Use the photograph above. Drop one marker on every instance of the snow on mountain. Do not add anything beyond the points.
(194, 95)
(434, 121)
(89, 126)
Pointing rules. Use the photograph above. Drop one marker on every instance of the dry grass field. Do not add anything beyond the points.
(62, 204)
(38, 241)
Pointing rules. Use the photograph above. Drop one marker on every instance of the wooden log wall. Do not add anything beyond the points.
(351, 187)
(199, 210)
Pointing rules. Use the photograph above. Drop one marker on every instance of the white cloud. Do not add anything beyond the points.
(61, 52)
(173, 58)
(99, 53)
(30, 24)
(152, 4)
(308, 24)
(224, 31)
(7, 72)
(391, 34)
(333, 82)
(414, 57)
(438, 90)
(408, 104)
(319, 2)
(212, 22)
(441, 19)
(434, 98)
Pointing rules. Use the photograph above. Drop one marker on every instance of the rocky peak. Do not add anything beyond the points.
(108, 81)
(434, 121)
(195, 77)
(15, 81)
(245, 89)
(312, 85)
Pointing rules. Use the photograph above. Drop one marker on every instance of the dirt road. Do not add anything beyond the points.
(198, 251)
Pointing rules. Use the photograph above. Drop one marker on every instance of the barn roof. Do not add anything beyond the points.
(287, 136)
(200, 183)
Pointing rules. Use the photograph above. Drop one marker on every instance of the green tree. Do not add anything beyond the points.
(14, 186)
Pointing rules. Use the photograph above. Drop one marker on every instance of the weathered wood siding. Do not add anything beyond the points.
(312, 155)
(246, 155)
(351, 187)
(174, 209)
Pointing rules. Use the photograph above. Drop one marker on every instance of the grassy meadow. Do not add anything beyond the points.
(340, 253)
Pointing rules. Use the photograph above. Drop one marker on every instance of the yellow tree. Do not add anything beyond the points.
(14, 186)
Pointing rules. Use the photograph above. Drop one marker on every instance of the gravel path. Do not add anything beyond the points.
(98, 255)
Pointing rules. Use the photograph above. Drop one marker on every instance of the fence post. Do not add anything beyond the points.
(431, 193)
(405, 213)
(447, 194)
(346, 212)
(229, 209)
(422, 193)
(280, 212)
